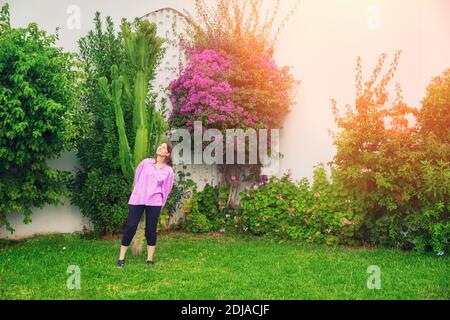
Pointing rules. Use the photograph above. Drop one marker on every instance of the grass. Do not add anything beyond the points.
(216, 267)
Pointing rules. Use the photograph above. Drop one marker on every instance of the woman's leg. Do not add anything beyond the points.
(151, 223)
(134, 215)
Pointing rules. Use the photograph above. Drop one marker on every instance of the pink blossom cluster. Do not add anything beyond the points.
(201, 92)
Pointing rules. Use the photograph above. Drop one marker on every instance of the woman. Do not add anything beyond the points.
(153, 181)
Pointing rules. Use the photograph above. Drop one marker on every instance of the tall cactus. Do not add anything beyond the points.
(113, 93)
(144, 50)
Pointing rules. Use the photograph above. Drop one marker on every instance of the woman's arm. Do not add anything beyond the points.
(167, 186)
(137, 173)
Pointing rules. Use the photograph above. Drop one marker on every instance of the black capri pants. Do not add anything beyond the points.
(151, 222)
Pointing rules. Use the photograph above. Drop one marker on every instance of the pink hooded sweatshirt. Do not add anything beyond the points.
(152, 186)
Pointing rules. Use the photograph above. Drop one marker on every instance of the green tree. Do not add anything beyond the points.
(38, 102)
(99, 189)
(394, 171)
(434, 117)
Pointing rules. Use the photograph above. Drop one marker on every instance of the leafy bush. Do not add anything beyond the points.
(434, 115)
(206, 209)
(182, 190)
(283, 208)
(38, 85)
(398, 173)
(99, 189)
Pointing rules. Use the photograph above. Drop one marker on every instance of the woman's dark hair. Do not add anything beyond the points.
(169, 149)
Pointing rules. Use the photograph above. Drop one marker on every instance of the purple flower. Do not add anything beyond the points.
(263, 179)
(198, 91)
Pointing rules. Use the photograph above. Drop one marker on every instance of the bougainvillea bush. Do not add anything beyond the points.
(221, 89)
(231, 80)
(230, 51)
(202, 93)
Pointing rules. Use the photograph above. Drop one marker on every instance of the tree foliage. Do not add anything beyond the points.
(395, 170)
(99, 188)
(38, 107)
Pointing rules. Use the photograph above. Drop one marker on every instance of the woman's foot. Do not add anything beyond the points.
(120, 263)
(150, 263)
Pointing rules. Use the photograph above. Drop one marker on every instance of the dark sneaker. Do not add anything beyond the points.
(150, 263)
(120, 263)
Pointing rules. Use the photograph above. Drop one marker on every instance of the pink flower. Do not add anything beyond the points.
(233, 178)
(198, 91)
(289, 175)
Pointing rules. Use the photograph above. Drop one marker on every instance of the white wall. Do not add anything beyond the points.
(50, 219)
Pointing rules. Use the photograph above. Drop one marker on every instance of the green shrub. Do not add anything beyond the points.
(283, 208)
(206, 209)
(38, 85)
(182, 189)
(99, 188)
(103, 200)
(397, 172)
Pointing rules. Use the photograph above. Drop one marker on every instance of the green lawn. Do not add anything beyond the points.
(216, 267)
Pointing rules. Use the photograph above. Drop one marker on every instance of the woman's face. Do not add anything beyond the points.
(162, 150)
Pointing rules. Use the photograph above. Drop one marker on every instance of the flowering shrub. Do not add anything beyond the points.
(206, 209)
(202, 93)
(231, 79)
(398, 172)
(230, 89)
(283, 208)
